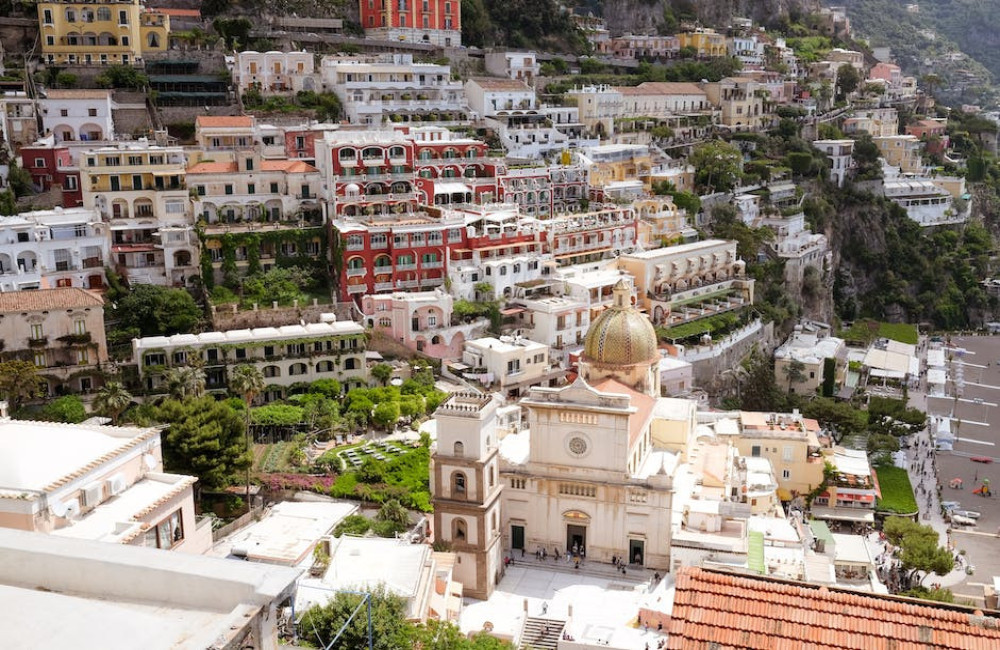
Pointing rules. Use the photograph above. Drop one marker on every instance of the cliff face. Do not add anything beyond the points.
(639, 16)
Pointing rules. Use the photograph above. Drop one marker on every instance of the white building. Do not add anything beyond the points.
(95, 482)
(676, 376)
(800, 247)
(275, 73)
(841, 155)
(78, 114)
(490, 97)
(559, 322)
(139, 188)
(87, 595)
(285, 355)
(810, 351)
(392, 87)
(924, 202)
(515, 65)
(54, 248)
(18, 124)
(749, 49)
(510, 363)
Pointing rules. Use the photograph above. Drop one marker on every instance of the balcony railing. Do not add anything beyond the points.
(39, 342)
(432, 265)
(406, 267)
(356, 273)
(383, 286)
(357, 288)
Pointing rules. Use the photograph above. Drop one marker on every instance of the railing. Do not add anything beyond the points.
(383, 286)
(39, 342)
(406, 267)
(406, 284)
(357, 288)
(433, 265)
(236, 524)
(356, 273)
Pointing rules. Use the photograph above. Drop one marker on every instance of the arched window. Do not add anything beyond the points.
(324, 366)
(103, 13)
(272, 371)
(350, 364)
(458, 483)
(297, 369)
(459, 449)
(347, 154)
(397, 152)
(458, 531)
(153, 39)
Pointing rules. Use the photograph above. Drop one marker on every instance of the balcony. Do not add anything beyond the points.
(432, 265)
(383, 286)
(357, 288)
(356, 273)
(406, 267)
(93, 263)
(39, 342)
(432, 282)
(76, 339)
(406, 284)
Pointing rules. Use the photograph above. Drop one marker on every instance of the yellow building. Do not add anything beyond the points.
(100, 32)
(705, 41)
(790, 442)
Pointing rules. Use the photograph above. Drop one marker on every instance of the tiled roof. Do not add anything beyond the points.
(725, 611)
(287, 166)
(644, 403)
(662, 88)
(224, 121)
(42, 299)
(501, 84)
(179, 13)
(212, 168)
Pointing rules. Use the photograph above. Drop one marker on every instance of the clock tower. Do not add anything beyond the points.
(466, 489)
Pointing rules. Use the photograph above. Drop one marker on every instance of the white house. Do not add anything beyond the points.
(515, 65)
(275, 73)
(78, 114)
(841, 155)
(509, 363)
(393, 87)
(489, 97)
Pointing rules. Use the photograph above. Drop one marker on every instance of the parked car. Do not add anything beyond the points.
(981, 459)
(950, 505)
(962, 521)
(971, 514)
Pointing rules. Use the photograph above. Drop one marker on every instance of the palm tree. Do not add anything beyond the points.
(112, 399)
(185, 382)
(248, 381)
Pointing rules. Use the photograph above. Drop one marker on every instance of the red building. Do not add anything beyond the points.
(452, 170)
(52, 166)
(438, 22)
(392, 253)
(367, 173)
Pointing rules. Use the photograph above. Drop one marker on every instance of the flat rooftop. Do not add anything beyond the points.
(37, 456)
(287, 534)
(285, 332)
(86, 595)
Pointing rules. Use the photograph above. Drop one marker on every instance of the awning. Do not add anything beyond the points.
(579, 253)
(843, 514)
(510, 311)
(451, 188)
(784, 494)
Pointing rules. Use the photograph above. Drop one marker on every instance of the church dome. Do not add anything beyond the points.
(621, 335)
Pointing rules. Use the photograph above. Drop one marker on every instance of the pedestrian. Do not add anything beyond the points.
(614, 560)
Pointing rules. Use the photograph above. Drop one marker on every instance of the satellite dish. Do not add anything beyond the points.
(149, 460)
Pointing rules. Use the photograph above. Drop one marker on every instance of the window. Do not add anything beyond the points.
(64, 112)
(104, 13)
(125, 44)
(80, 326)
(166, 534)
(40, 359)
(36, 331)
(50, 40)
(251, 188)
(229, 188)
(47, 17)
(71, 182)
(92, 112)
(137, 181)
(459, 449)
(458, 483)
(755, 451)
(123, 17)
(241, 353)
(458, 532)
(82, 357)
(786, 474)
(70, 16)
(274, 188)
(786, 454)
(249, 164)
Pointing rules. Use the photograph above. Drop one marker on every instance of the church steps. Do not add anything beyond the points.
(541, 633)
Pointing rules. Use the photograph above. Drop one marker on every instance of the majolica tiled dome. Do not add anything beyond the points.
(621, 335)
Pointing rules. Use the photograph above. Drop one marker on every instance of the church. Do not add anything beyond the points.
(592, 471)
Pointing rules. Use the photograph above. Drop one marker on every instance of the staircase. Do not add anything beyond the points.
(541, 633)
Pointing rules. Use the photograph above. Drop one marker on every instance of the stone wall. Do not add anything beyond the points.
(225, 317)
(710, 361)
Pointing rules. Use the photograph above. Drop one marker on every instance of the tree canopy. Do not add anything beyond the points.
(19, 382)
(157, 311)
(718, 166)
(918, 548)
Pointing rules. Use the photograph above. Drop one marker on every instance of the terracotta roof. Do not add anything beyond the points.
(42, 299)
(727, 611)
(501, 84)
(662, 88)
(224, 121)
(644, 403)
(287, 166)
(77, 94)
(212, 168)
(180, 13)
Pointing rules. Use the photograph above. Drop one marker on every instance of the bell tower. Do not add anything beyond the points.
(466, 488)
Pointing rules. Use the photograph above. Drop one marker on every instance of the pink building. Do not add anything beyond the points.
(889, 72)
(420, 320)
(96, 482)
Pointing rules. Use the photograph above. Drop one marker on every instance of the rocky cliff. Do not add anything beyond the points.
(638, 16)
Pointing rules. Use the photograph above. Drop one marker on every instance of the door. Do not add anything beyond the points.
(517, 537)
(636, 551)
(576, 536)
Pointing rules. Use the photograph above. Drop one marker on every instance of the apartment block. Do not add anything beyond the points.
(101, 32)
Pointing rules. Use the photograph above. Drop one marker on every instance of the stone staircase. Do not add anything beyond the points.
(541, 633)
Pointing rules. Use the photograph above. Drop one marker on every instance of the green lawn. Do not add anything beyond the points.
(897, 493)
(866, 331)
